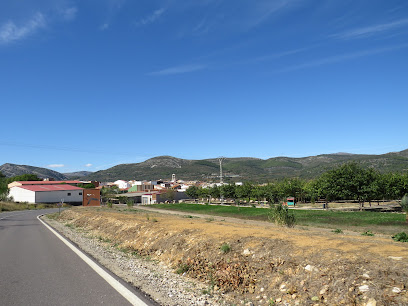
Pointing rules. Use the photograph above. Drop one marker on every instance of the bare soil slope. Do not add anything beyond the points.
(264, 262)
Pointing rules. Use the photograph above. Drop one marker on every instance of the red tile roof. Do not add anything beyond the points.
(47, 182)
(60, 187)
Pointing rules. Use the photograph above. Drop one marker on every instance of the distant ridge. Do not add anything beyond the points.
(235, 169)
(248, 168)
(77, 175)
(10, 170)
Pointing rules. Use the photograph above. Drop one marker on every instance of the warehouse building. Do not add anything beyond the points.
(47, 193)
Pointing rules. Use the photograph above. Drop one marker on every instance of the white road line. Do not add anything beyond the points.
(13, 215)
(126, 293)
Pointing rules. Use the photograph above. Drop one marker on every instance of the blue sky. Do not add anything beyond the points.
(86, 85)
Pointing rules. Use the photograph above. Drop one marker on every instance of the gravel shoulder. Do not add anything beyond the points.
(154, 278)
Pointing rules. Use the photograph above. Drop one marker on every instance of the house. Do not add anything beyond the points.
(122, 184)
(162, 196)
(47, 193)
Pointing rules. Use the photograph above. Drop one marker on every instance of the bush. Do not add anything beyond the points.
(403, 237)
(225, 248)
(281, 215)
(129, 203)
(367, 233)
(182, 268)
(109, 204)
(404, 203)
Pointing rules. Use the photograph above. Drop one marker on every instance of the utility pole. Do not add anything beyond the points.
(220, 160)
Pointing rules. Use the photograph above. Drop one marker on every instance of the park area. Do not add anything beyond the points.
(328, 257)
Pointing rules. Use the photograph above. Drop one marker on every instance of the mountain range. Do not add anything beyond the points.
(234, 169)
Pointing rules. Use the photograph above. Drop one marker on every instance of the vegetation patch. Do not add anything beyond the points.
(282, 216)
(402, 237)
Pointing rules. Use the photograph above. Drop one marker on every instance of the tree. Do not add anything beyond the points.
(214, 192)
(193, 192)
(258, 192)
(23, 177)
(228, 191)
(244, 191)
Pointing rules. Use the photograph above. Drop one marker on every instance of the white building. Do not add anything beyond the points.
(122, 184)
(47, 193)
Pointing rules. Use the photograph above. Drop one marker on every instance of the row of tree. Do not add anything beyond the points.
(348, 182)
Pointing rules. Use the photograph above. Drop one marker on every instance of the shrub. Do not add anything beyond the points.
(337, 231)
(367, 233)
(225, 248)
(281, 215)
(182, 268)
(129, 203)
(403, 237)
(404, 203)
(109, 204)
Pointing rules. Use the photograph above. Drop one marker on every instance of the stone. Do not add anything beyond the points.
(324, 289)
(262, 289)
(395, 258)
(315, 298)
(246, 252)
(278, 300)
(371, 302)
(366, 276)
(364, 288)
(396, 290)
(311, 268)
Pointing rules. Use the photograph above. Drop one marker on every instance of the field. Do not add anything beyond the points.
(381, 223)
(255, 261)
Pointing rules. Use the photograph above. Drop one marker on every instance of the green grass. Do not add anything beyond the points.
(356, 220)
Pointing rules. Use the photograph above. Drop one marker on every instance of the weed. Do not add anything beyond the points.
(182, 268)
(147, 217)
(337, 231)
(154, 220)
(100, 238)
(403, 237)
(136, 254)
(209, 219)
(109, 204)
(367, 233)
(282, 216)
(188, 216)
(123, 250)
(225, 248)
(70, 225)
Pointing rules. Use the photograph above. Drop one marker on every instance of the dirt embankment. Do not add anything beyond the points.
(261, 263)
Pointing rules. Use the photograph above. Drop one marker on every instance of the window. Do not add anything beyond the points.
(69, 193)
(80, 193)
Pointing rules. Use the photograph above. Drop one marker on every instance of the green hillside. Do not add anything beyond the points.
(239, 169)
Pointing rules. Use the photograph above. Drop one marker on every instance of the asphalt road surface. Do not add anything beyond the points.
(37, 268)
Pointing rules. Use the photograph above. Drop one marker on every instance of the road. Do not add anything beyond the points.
(37, 268)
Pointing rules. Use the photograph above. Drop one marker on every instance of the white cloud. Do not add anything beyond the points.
(69, 13)
(103, 27)
(88, 165)
(342, 57)
(10, 32)
(371, 30)
(56, 166)
(178, 70)
(151, 18)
